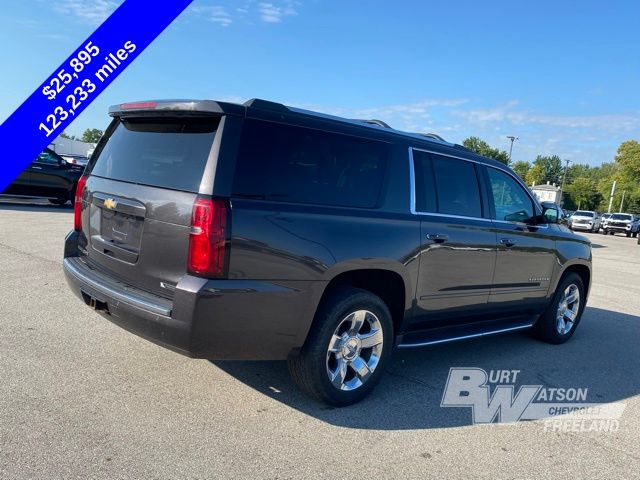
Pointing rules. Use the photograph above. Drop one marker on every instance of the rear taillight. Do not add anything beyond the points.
(208, 238)
(77, 204)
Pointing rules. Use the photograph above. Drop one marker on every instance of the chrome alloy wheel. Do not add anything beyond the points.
(568, 309)
(354, 350)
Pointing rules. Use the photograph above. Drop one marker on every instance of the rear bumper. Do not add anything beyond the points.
(214, 319)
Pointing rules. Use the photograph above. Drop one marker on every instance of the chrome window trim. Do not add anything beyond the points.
(412, 189)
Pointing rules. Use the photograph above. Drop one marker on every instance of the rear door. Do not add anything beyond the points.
(526, 251)
(458, 246)
(143, 182)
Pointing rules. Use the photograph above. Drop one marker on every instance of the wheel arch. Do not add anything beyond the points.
(392, 286)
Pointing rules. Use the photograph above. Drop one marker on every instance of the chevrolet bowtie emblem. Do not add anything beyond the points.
(110, 203)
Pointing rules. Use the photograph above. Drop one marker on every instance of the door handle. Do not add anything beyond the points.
(37, 168)
(507, 242)
(438, 237)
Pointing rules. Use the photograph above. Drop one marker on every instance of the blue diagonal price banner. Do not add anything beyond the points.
(81, 78)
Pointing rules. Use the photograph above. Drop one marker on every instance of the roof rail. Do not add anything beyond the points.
(265, 105)
(432, 135)
(374, 121)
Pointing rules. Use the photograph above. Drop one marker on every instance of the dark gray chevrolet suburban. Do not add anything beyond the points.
(260, 231)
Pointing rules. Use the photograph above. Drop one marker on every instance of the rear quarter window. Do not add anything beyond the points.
(163, 152)
(300, 165)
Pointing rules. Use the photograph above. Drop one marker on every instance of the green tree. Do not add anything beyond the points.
(65, 135)
(521, 168)
(627, 175)
(535, 175)
(628, 159)
(551, 165)
(582, 193)
(91, 135)
(483, 148)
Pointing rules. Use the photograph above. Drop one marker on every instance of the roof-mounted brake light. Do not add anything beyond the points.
(138, 105)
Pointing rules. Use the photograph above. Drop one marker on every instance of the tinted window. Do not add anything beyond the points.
(511, 201)
(49, 157)
(168, 153)
(293, 164)
(456, 187)
(424, 186)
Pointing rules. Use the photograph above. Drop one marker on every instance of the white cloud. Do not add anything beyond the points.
(93, 12)
(248, 12)
(214, 13)
(507, 114)
(272, 13)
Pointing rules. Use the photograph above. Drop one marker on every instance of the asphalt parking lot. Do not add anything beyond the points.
(82, 398)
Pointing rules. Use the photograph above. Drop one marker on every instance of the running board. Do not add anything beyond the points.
(462, 332)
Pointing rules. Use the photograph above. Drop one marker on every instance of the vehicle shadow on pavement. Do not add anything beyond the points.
(602, 356)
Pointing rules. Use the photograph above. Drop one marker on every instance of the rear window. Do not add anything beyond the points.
(164, 152)
(300, 165)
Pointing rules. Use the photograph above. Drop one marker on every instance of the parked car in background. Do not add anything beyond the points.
(622, 223)
(75, 159)
(48, 176)
(264, 232)
(604, 219)
(585, 220)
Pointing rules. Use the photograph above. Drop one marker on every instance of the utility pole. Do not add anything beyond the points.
(613, 190)
(513, 139)
(564, 177)
(622, 201)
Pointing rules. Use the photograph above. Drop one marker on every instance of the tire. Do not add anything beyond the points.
(634, 234)
(628, 234)
(312, 367)
(604, 232)
(58, 201)
(548, 327)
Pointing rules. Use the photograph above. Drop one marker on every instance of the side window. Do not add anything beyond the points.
(424, 187)
(512, 204)
(286, 163)
(47, 158)
(457, 188)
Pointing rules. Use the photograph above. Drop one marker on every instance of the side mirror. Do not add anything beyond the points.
(550, 214)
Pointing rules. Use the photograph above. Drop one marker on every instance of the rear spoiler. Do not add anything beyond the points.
(186, 107)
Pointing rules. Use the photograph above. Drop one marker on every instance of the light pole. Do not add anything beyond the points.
(513, 139)
(564, 177)
(613, 191)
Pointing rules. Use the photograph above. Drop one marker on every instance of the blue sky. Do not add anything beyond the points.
(562, 76)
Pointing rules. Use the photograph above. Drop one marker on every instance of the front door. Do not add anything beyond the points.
(48, 176)
(526, 251)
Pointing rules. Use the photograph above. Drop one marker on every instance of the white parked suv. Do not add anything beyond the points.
(621, 223)
(585, 220)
